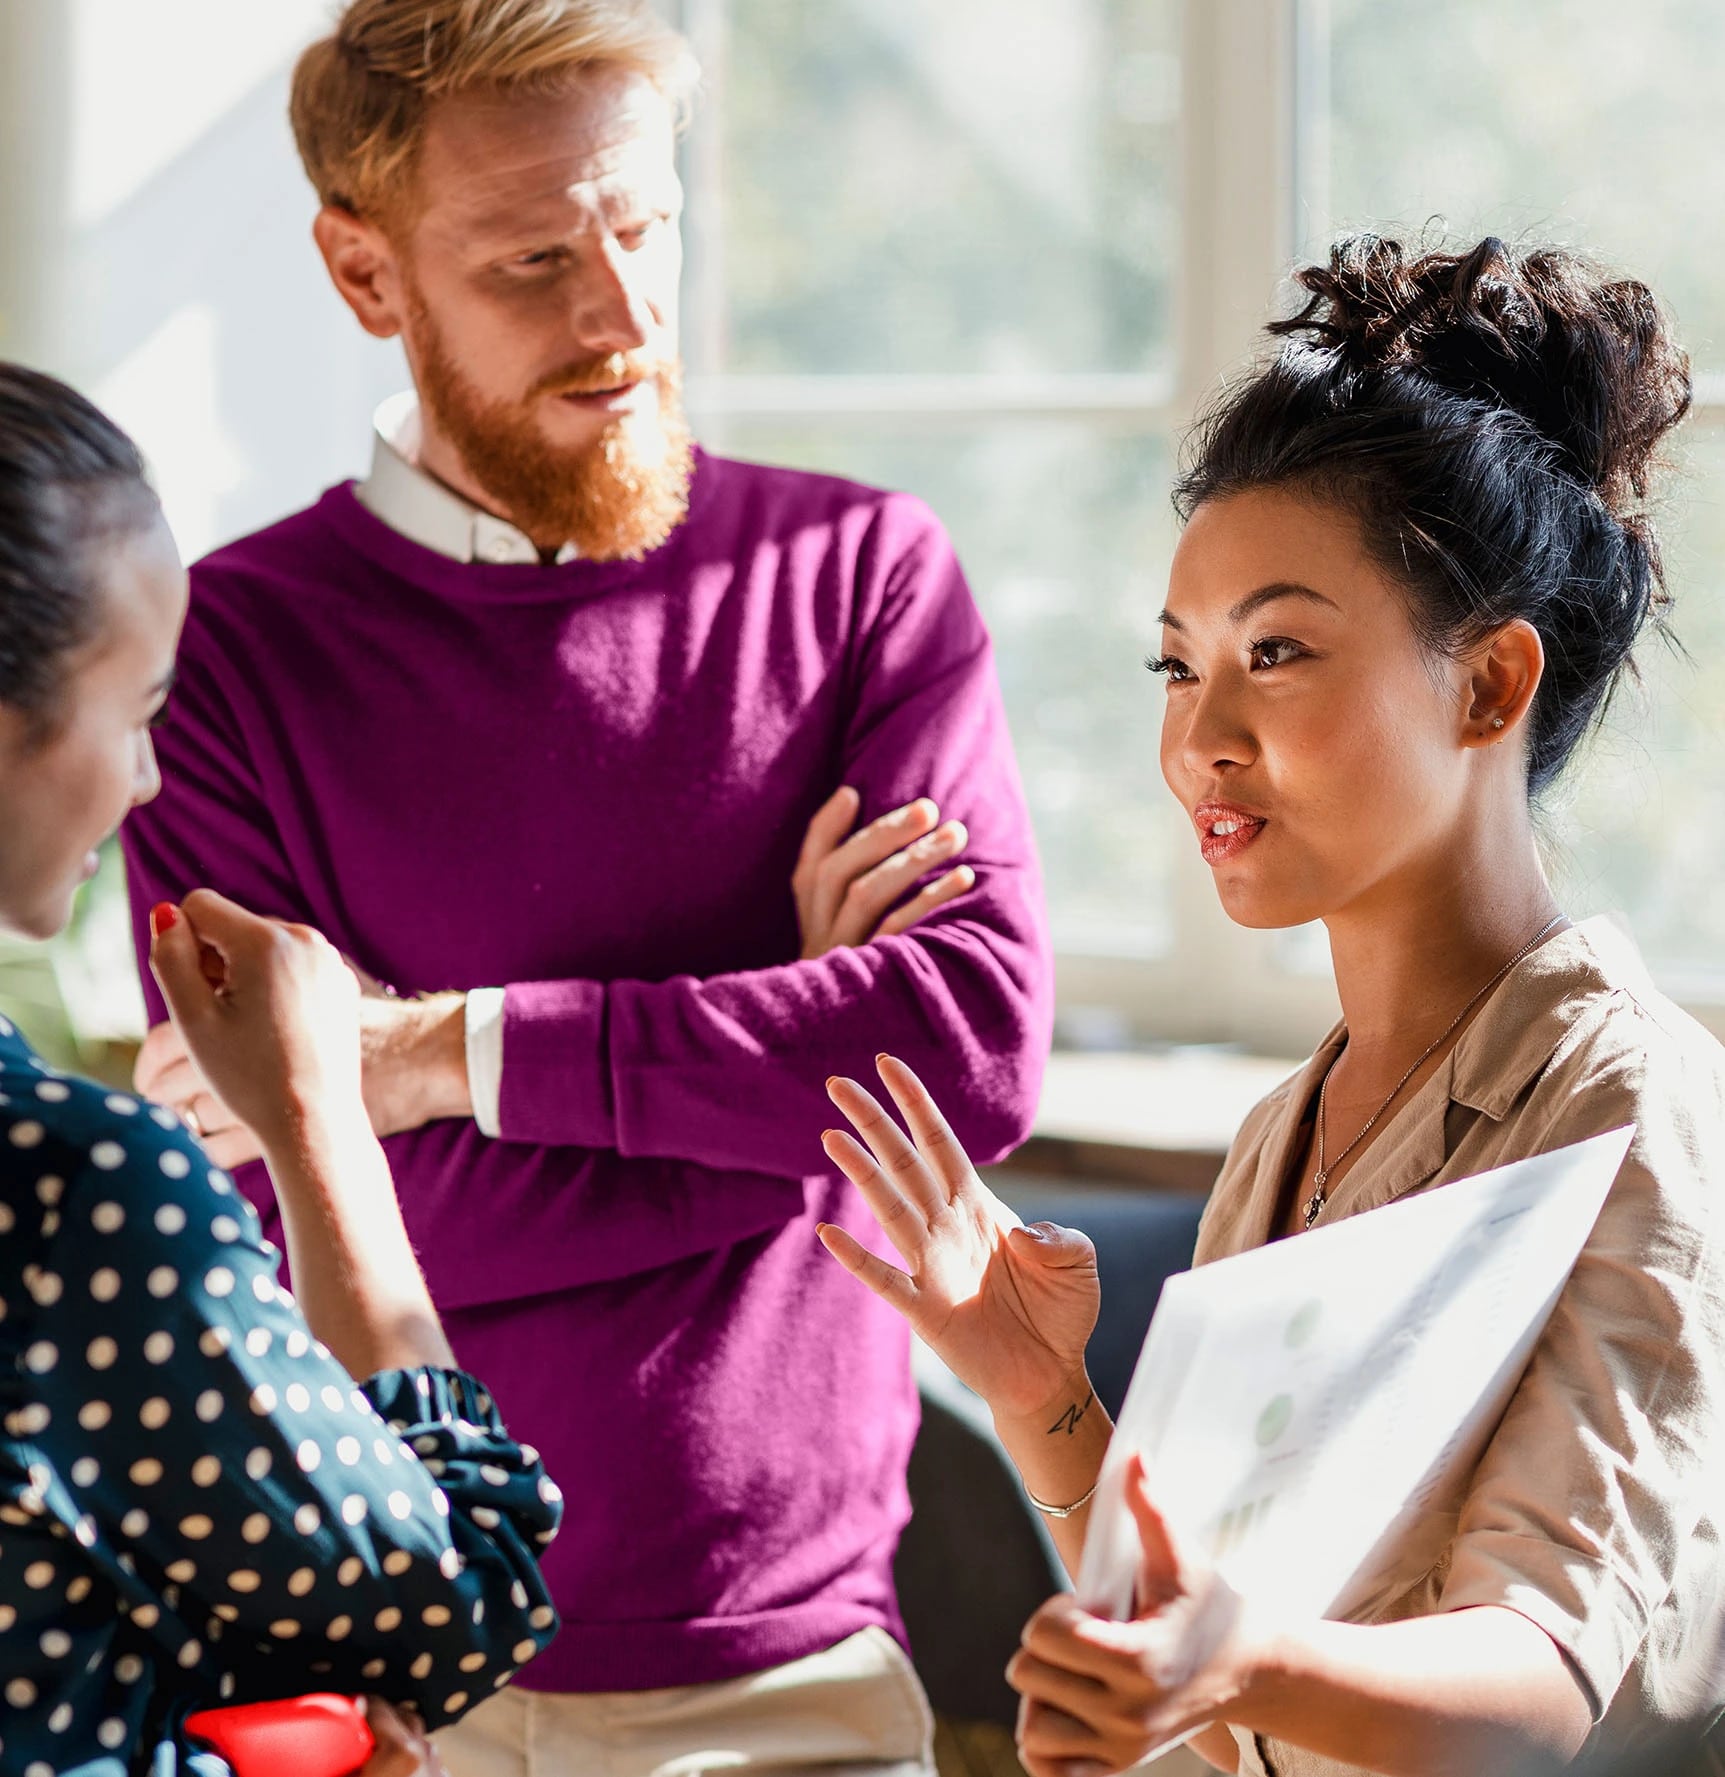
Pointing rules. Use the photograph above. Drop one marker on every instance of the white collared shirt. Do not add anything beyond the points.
(409, 500)
(422, 509)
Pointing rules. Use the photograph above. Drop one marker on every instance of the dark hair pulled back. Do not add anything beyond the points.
(71, 482)
(1492, 420)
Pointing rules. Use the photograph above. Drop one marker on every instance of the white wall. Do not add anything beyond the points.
(155, 249)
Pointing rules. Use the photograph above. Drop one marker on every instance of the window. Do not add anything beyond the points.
(997, 253)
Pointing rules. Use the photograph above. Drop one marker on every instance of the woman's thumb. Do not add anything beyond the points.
(177, 963)
(1057, 1248)
(1159, 1578)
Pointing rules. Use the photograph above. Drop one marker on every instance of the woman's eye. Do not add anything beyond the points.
(1171, 667)
(1273, 651)
(160, 718)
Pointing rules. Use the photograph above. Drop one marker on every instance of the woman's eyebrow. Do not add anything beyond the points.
(1254, 601)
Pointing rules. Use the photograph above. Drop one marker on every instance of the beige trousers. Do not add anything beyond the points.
(850, 1710)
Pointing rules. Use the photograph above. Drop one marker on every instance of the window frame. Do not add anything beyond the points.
(1253, 114)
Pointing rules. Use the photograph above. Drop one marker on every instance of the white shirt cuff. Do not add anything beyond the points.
(485, 1057)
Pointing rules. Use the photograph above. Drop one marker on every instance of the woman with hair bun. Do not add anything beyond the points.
(198, 1503)
(1416, 560)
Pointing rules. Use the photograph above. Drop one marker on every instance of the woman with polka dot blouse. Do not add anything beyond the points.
(198, 1503)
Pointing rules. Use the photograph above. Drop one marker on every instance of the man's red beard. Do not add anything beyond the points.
(609, 498)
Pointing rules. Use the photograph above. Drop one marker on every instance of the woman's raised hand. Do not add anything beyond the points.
(1008, 1308)
(269, 1013)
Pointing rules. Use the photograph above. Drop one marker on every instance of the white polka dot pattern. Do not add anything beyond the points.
(196, 1472)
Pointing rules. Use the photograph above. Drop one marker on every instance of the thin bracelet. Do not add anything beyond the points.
(1062, 1511)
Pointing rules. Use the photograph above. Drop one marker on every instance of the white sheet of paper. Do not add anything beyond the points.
(1297, 1404)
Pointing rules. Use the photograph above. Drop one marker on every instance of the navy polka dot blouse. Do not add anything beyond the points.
(197, 1503)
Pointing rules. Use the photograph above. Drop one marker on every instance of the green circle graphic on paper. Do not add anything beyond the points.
(1304, 1323)
(1273, 1421)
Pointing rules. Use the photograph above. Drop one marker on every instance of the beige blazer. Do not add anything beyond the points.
(1596, 1509)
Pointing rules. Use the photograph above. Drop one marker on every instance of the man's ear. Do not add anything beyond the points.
(1503, 673)
(364, 268)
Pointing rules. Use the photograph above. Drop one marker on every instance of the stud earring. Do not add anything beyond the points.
(1497, 721)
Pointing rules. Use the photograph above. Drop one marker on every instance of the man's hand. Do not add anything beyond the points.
(848, 889)
(413, 1057)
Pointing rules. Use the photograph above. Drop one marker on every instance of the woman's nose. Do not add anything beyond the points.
(146, 774)
(1216, 733)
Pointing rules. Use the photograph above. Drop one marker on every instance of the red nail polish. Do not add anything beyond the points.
(164, 916)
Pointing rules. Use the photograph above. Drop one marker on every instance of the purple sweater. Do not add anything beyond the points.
(588, 784)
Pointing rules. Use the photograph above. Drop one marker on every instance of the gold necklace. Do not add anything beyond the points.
(1321, 1178)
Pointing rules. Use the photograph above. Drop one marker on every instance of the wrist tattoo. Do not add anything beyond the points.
(1068, 1421)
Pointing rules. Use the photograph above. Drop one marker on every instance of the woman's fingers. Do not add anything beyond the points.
(1053, 1247)
(1077, 1693)
(934, 1138)
(898, 1158)
(900, 1220)
(1064, 1634)
(1051, 1735)
(935, 894)
(1160, 1579)
(176, 960)
(403, 1749)
(887, 1281)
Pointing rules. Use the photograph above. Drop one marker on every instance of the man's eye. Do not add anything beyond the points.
(540, 256)
(1172, 668)
(1274, 651)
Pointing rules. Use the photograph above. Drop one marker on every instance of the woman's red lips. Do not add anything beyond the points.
(1225, 830)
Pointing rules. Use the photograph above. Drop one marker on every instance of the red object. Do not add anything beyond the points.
(164, 916)
(314, 1736)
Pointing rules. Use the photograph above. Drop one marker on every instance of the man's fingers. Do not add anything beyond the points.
(897, 1156)
(827, 828)
(887, 1281)
(926, 899)
(869, 896)
(884, 835)
(934, 1138)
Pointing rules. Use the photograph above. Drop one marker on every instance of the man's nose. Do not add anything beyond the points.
(611, 314)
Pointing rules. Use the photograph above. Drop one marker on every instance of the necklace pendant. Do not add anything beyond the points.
(1315, 1203)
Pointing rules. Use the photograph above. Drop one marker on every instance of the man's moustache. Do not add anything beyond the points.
(609, 375)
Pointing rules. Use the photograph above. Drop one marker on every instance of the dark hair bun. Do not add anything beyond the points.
(1586, 358)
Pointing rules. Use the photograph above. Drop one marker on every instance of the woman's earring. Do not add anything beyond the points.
(1497, 721)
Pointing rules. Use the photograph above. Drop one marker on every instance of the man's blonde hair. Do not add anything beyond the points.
(361, 95)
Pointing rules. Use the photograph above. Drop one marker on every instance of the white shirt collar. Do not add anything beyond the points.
(426, 512)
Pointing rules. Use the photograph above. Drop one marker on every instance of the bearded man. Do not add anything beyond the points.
(636, 780)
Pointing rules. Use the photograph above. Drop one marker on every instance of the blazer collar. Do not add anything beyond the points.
(1511, 1039)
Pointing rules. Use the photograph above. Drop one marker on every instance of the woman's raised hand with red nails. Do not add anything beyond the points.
(1008, 1308)
(268, 1010)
